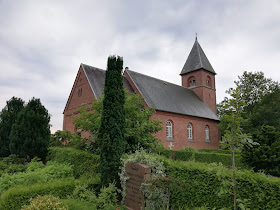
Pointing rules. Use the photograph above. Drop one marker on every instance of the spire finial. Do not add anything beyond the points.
(195, 36)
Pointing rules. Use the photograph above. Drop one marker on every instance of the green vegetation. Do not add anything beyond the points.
(111, 131)
(266, 155)
(8, 117)
(45, 202)
(30, 134)
(36, 172)
(203, 155)
(82, 162)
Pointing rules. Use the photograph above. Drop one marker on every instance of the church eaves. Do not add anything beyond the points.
(197, 60)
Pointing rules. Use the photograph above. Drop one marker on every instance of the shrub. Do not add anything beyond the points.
(83, 163)
(209, 185)
(36, 173)
(203, 155)
(45, 202)
(16, 197)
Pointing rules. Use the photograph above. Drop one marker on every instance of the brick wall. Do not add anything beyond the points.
(81, 93)
(180, 123)
(206, 93)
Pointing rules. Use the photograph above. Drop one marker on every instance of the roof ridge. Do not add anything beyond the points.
(198, 50)
(157, 79)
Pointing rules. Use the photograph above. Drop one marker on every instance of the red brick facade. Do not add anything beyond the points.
(204, 86)
(82, 94)
(180, 132)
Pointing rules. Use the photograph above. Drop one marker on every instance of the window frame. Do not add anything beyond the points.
(190, 132)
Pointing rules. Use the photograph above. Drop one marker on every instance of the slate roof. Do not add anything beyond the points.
(197, 60)
(169, 97)
(96, 78)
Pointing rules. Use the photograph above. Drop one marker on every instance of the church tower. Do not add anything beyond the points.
(199, 75)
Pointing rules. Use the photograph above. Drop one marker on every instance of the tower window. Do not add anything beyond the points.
(208, 81)
(192, 81)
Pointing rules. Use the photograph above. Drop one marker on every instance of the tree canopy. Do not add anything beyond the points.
(8, 117)
(139, 125)
(30, 134)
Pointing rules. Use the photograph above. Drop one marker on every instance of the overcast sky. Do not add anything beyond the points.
(42, 43)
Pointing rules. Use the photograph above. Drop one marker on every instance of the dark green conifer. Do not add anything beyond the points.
(111, 132)
(30, 134)
(8, 117)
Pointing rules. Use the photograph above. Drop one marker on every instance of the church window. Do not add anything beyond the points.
(190, 132)
(207, 139)
(208, 81)
(191, 81)
(169, 129)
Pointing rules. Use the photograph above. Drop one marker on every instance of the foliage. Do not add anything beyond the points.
(30, 134)
(18, 196)
(75, 204)
(203, 155)
(266, 155)
(139, 124)
(204, 183)
(36, 173)
(266, 112)
(105, 200)
(111, 131)
(83, 163)
(234, 136)
(141, 156)
(45, 202)
(11, 165)
(8, 117)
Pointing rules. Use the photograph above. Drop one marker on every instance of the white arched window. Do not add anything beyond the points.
(207, 133)
(190, 133)
(169, 129)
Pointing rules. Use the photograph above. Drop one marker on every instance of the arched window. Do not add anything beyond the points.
(207, 139)
(191, 81)
(190, 133)
(208, 81)
(169, 129)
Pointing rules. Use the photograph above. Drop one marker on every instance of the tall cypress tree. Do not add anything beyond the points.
(8, 117)
(30, 134)
(111, 131)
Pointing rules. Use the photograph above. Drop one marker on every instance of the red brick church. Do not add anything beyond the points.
(188, 112)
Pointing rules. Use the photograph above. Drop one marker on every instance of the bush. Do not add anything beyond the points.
(204, 155)
(16, 197)
(45, 202)
(83, 163)
(36, 172)
(210, 185)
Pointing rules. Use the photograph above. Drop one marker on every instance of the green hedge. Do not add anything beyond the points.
(16, 197)
(82, 162)
(203, 155)
(204, 181)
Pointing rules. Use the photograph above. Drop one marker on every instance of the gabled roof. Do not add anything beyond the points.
(169, 97)
(197, 60)
(96, 78)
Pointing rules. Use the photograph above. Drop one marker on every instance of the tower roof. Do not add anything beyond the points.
(197, 60)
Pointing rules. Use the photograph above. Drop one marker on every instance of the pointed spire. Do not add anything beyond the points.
(197, 60)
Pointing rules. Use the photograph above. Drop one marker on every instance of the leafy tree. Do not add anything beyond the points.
(252, 87)
(111, 131)
(234, 136)
(266, 155)
(30, 134)
(266, 112)
(139, 124)
(8, 117)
